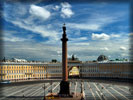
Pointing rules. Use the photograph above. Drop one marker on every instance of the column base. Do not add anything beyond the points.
(64, 88)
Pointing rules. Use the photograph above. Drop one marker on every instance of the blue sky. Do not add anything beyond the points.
(33, 31)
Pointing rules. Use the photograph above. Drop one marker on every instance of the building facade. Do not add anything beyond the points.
(27, 71)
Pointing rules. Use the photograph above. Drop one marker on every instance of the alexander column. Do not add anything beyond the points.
(64, 93)
(64, 85)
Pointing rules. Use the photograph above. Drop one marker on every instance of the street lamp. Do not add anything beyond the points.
(44, 90)
(51, 87)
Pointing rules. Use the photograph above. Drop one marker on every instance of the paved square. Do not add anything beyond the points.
(92, 90)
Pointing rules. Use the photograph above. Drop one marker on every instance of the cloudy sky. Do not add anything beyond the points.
(33, 31)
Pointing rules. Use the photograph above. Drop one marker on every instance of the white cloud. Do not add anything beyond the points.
(123, 55)
(109, 56)
(81, 44)
(115, 35)
(84, 50)
(59, 52)
(68, 55)
(31, 24)
(10, 37)
(105, 48)
(56, 7)
(65, 5)
(20, 10)
(83, 38)
(14, 39)
(39, 12)
(85, 26)
(101, 36)
(40, 29)
(66, 10)
(27, 50)
(104, 36)
(123, 48)
(94, 22)
(79, 39)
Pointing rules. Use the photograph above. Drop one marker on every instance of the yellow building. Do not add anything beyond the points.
(115, 69)
(22, 71)
(27, 71)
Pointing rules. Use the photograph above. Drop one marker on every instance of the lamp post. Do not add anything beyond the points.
(44, 91)
(51, 87)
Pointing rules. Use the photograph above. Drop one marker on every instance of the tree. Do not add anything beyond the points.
(54, 60)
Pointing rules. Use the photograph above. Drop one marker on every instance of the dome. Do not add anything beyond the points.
(102, 58)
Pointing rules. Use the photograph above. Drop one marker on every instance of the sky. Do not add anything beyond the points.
(33, 31)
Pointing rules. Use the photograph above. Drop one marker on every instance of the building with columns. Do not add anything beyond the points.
(14, 71)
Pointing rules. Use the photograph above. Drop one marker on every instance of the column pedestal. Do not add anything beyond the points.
(64, 89)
